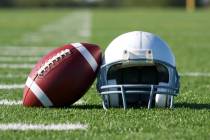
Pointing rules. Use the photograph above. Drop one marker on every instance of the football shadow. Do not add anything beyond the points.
(87, 106)
(192, 105)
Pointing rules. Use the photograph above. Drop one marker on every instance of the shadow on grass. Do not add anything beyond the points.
(87, 106)
(192, 105)
(177, 105)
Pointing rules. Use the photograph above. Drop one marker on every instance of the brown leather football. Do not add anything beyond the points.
(62, 76)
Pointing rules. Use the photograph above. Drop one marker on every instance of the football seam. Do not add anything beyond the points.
(56, 58)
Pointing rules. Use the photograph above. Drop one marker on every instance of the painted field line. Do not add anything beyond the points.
(195, 74)
(41, 127)
(18, 51)
(74, 27)
(18, 58)
(12, 86)
(13, 75)
(17, 66)
(18, 48)
(8, 102)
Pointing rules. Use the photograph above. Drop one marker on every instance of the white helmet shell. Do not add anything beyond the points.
(138, 45)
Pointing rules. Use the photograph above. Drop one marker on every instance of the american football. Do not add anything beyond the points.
(62, 76)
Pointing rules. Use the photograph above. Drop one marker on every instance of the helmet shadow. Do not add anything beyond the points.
(87, 106)
(192, 105)
(176, 105)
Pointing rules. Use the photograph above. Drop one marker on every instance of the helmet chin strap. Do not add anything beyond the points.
(162, 100)
(113, 98)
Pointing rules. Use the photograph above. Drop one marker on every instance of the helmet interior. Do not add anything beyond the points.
(151, 74)
(140, 74)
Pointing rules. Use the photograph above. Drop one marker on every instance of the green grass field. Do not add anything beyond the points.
(26, 35)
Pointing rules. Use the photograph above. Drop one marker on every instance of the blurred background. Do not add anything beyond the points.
(100, 3)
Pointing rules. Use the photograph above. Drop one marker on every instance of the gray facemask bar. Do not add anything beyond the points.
(124, 89)
(106, 89)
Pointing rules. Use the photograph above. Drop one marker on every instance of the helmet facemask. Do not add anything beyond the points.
(138, 81)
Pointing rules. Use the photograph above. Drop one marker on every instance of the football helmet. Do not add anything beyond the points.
(138, 69)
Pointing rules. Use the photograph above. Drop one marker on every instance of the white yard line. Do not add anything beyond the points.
(41, 127)
(74, 27)
(18, 48)
(195, 74)
(18, 51)
(12, 86)
(9, 102)
(10, 75)
(17, 66)
(18, 59)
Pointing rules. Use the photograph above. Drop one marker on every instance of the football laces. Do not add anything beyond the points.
(52, 61)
